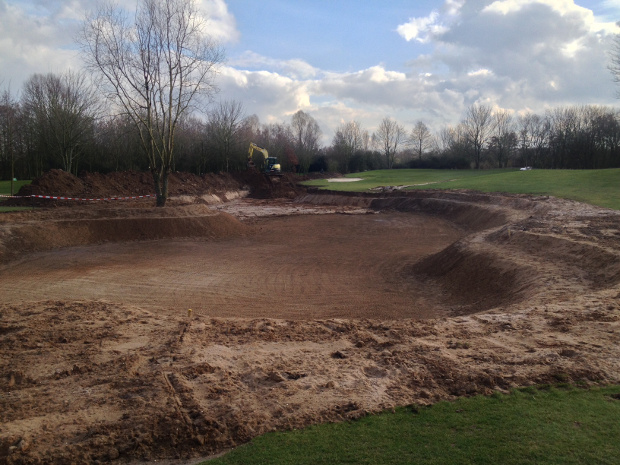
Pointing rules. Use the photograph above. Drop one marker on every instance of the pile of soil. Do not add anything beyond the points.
(134, 183)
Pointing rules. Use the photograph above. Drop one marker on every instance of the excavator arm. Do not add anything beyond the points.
(253, 147)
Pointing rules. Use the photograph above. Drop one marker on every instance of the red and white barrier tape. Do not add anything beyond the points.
(52, 197)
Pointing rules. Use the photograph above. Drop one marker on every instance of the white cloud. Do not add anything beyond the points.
(269, 95)
(38, 36)
(221, 24)
(38, 39)
(481, 72)
(420, 28)
(562, 7)
(294, 68)
(453, 7)
(515, 49)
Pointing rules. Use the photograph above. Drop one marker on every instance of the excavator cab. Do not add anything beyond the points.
(271, 166)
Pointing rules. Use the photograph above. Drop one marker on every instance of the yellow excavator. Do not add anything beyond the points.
(271, 166)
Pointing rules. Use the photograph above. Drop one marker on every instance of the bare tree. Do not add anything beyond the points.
(190, 145)
(503, 136)
(420, 139)
(117, 141)
(279, 140)
(9, 121)
(352, 133)
(153, 68)
(306, 132)
(346, 142)
(224, 130)
(388, 138)
(64, 108)
(541, 133)
(525, 127)
(477, 126)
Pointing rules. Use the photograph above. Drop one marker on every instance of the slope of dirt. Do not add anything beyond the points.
(45, 230)
(322, 308)
(134, 183)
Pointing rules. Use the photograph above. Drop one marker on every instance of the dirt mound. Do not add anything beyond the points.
(129, 183)
(54, 182)
(270, 187)
(134, 183)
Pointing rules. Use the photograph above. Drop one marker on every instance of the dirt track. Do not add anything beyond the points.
(296, 318)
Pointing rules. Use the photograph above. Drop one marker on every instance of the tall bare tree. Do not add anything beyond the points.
(389, 137)
(503, 136)
(346, 142)
(420, 139)
(153, 68)
(279, 140)
(64, 108)
(477, 125)
(224, 130)
(307, 133)
(614, 56)
(9, 114)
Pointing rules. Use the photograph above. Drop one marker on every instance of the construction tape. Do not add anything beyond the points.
(52, 197)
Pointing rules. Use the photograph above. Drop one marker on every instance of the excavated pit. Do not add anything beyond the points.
(387, 257)
(323, 308)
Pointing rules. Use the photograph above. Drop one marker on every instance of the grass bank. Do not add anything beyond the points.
(597, 187)
(545, 425)
(5, 189)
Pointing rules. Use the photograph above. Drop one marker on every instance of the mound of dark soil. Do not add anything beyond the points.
(270, 187)
(136, 183)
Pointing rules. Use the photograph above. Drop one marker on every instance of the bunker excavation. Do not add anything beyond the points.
(312, 309)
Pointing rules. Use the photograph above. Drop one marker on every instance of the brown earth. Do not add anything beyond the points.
(313, 309)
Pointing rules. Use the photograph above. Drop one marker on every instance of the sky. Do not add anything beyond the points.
(347, 60)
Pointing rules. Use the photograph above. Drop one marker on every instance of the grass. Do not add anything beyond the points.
(597, 187)
(5, 189)
(547, 425)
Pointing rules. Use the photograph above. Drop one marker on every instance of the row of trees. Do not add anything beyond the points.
(59, 122)
(572, 137)
(155, 70)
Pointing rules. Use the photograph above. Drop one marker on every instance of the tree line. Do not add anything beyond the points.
(153, 72)
(569, 137)
(60, 122)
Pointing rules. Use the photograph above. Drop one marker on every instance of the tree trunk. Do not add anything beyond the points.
(160, 180)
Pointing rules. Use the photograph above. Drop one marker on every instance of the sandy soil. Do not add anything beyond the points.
(317, 309)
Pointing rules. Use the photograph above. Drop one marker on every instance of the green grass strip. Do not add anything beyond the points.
(596, 187)
(5, 186)
(529, 426)
(5, 189)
